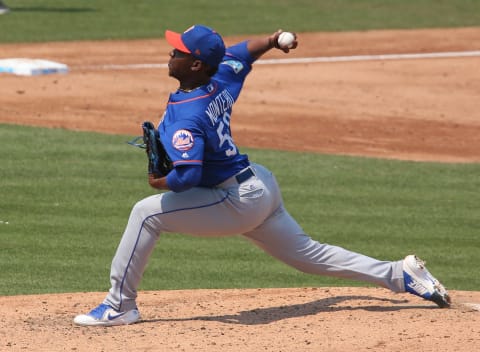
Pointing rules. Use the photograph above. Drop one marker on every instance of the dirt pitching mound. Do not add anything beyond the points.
(293, 319)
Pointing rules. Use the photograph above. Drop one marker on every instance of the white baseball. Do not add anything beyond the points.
(285, 40)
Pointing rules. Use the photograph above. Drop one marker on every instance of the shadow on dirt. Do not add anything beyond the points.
(327, 305)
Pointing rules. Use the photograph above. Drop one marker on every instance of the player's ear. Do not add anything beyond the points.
(197, 65)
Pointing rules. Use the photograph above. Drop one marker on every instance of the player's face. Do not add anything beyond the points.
(179, 64)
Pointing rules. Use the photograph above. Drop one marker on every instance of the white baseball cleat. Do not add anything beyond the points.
(104, 315)
(420, 282)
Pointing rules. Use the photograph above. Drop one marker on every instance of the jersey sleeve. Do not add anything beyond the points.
(240, 52)
(182, 178)
(236, 65)
(184, 144)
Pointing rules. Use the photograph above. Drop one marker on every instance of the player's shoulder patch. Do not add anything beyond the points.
(182, 140)
(236, 65)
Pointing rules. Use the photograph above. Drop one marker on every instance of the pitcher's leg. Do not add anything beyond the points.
(131, 257)
(166, 212)
(198, 211)
(282, 237)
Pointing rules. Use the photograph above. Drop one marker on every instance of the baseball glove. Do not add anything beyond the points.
(159, 163)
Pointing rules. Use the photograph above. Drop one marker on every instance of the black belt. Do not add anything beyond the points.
(244, 175)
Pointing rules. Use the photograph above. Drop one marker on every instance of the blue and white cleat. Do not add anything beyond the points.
(420, 282)
(104, 315)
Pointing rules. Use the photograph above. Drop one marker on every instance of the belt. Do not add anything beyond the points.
(244, 175)
(239, 178)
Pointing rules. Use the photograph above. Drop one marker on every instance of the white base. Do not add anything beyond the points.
(31, 67)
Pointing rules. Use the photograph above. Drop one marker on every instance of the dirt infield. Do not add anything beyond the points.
(299, 319)
(417, 109)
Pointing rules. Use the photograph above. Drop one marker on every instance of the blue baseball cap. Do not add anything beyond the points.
(201, 42)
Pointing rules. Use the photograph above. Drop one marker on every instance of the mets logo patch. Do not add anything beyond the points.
(182, 140)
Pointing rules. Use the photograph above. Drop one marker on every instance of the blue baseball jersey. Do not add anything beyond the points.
(195, 128)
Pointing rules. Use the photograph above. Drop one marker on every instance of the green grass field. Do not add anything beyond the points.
(66, 196)
(46, 20)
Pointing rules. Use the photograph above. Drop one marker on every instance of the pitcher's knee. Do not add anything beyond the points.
(147, 206)
(139, 211)
(145, 215)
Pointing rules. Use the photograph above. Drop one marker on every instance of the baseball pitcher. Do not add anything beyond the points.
(212, 189)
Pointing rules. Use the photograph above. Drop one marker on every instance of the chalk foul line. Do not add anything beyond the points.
(304, 60)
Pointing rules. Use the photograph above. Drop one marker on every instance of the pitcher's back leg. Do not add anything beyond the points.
(282, 237)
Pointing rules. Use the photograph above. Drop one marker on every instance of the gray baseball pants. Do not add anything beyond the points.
(253, 208)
